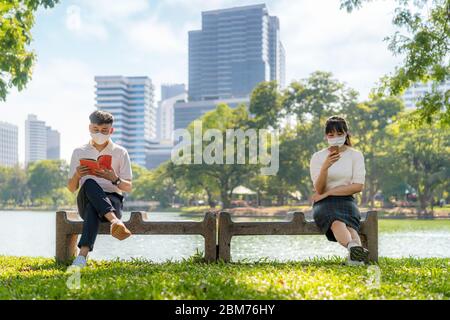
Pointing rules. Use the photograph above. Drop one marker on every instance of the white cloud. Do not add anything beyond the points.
(152, 36)
(318, 35)
(60, 93)
(112, 10)
(76, 24)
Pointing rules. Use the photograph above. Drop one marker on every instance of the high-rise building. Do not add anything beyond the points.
(53, 144)
(171, 90)
(236, 49)
(41, 141)
(35, 139)
(131, 101)
(186, 112)
(9, 143)
(418, 90)
(157, 155)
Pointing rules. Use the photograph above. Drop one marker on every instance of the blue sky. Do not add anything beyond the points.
(80, 39)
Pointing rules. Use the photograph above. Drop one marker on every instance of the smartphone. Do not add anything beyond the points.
(333, 149)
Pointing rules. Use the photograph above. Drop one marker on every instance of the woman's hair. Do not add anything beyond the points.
(338, 124)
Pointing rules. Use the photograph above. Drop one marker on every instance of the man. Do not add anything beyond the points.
(100, 197)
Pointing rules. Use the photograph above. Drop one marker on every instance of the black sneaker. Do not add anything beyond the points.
(358, 253)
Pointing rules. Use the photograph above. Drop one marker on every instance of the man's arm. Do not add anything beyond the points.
(126, 185)
(74, 182)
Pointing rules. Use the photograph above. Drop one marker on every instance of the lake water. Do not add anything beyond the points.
(25, 233)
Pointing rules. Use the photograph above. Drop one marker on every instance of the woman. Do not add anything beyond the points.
(338, 172)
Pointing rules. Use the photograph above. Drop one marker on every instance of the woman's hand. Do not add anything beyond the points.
(317, 197)
(331, 158)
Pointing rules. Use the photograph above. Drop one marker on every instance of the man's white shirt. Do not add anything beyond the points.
(120, 163)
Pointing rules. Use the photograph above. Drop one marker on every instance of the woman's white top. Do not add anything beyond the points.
(348, 169)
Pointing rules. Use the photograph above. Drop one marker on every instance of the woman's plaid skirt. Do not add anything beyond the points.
(331, 208)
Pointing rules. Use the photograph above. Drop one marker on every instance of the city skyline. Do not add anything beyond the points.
(131, 102)
(80, 39)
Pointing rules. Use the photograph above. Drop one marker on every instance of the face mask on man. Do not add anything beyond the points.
(100, 138)
(337, 141)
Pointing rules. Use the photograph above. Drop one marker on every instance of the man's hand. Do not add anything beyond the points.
(317, 197)
(106, 174)
(82, 171)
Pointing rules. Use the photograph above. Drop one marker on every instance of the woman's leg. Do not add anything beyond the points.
(341, 233)
(355, 236)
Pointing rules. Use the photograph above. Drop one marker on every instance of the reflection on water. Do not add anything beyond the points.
(33, 234)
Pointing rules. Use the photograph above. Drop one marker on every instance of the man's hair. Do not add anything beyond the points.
(101, 117)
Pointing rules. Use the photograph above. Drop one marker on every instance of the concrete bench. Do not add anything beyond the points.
(297, 226)
(69, 225)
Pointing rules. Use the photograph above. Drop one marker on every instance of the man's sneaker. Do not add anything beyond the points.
(119, 230)
(79, 262)
(359, 253)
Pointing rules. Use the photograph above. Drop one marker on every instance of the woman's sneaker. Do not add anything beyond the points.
(359, 254)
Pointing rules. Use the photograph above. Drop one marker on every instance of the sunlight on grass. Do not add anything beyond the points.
(408, 278)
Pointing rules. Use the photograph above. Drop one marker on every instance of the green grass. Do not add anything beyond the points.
(42, 278)
(396, 225)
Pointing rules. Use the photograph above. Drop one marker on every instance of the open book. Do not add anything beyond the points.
(103, 162)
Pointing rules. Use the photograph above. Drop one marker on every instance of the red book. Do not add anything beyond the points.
(103, 162)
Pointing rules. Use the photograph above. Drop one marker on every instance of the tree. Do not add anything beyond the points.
(193, 180)
(16, 57)
(426, 54)
(422, 157)
(318, 97)
(368, 122)
(226, 176)
(46, 176)
(13, 185)
(266, 105)
(155, 185)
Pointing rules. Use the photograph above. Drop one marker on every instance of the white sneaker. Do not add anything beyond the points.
(79, 262)
(351, 262)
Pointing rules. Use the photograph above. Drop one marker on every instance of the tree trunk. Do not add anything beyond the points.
(280, 199)
(210, 200)
(226, 203)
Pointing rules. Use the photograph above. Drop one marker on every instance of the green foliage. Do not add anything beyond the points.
(218, 177)
(16, 57)
(425, 49)
(155, 185)
(46, 176)
(421, 158)
(408, 278)
(13, 186)
(42, 183)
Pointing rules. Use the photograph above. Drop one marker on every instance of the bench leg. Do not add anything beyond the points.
(224, 236)
(66, 247)
(371, 236)
(210, 226)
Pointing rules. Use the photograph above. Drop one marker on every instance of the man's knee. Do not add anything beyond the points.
(91, 183)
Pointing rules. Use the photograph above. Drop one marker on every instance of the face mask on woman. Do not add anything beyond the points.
(337, 141)
(100, 138)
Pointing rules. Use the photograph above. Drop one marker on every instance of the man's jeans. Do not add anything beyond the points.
(93, 203)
